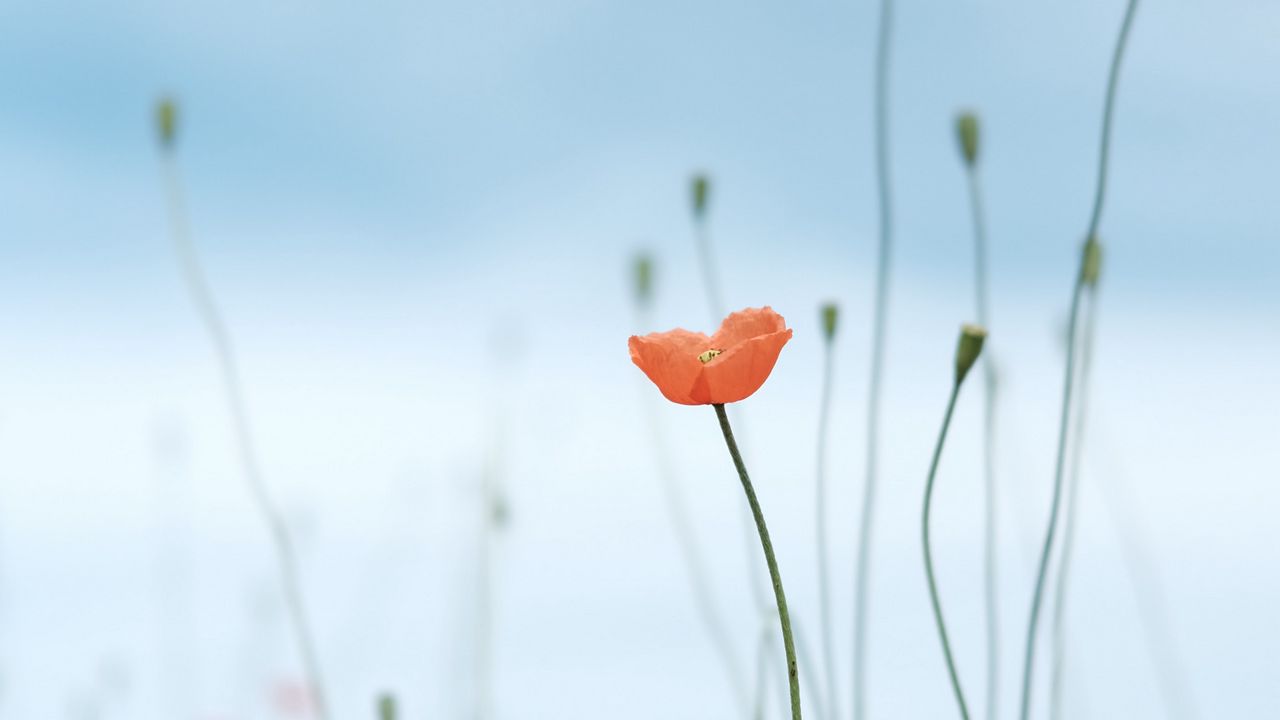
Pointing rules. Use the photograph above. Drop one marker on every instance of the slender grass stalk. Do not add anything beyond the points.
(1070, 509)
(387, 708)
(829, 319)
(701, 199)
(805, 653)
(492, 514)
(784, 618)
(1069, 375)
(690, 552)
(968, 130)
(1175, 683)
(203, 299)
(968, 349)
(862, 569)
(928, 554)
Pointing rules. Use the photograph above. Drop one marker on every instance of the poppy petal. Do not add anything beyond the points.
(744, 325)
(670, 359)
(739, 371)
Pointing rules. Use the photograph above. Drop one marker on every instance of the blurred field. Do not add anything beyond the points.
(419, 220)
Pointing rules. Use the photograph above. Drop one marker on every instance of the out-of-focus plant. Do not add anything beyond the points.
(167, 124)
(1090, 258)
(968, 349)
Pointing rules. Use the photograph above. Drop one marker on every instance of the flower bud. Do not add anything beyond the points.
(1091, 262)
(166, 121)
(830, 314)
(701, 191)
(642, 275)
(967, 133)
(387, 707)
(970, 347)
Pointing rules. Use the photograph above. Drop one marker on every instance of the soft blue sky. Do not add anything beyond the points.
(385, 194)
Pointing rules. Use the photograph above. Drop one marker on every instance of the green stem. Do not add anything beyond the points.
(824, 581)
(1058, 657)
(1028, 671)
(788, 642)
(928, 554)
(862, 569)
(202, 298)
(989, 540)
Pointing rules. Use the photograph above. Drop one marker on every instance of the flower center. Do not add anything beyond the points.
(706, 356)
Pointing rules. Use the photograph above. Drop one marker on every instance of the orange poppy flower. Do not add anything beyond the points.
(693, 369)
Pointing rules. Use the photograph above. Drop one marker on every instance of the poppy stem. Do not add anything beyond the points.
(202, 298)
(784, 618)
(1028, 672)
(928, 553)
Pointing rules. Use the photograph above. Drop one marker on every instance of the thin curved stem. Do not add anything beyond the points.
(1069, 376)
(784, 618)
(1058, 658)
(989, 539)
(928, 554)
(824, 579)
(862, 571)
(202, 298)
(694, 564)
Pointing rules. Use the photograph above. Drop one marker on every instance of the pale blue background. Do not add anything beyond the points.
(418, 219)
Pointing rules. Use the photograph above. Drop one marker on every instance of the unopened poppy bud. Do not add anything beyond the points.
(830, 314)
(1091, 262)
(387, 709)
(701, 193)
(967, 133)
(166, 121)
(643, 276)
(970, 347)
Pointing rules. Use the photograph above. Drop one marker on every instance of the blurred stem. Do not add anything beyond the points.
(202, 298)
(989, 540)
(1175, 684)
(824, 580)
(1069, 375)
(706, 258)
(784, 618)
(1058, 657)
(928, 553)
(862, 569)
(694, 564)
(716, 306)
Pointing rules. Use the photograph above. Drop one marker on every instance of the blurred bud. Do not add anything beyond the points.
(1091, 262)
(387, 707)
(166, 121)
(830, 314)
(701, 191)
(967, 133)
(643, 276)
(970, 347)
(499, 512)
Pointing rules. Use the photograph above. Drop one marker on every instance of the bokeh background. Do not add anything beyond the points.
(419, 220)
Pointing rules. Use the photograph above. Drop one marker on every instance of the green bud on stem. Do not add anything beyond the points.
(1091, 262)
(642, 275)
(166, 121)
(830, 315)
(967, 133)
(701, 193)
(969, 348)
(387, 709)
